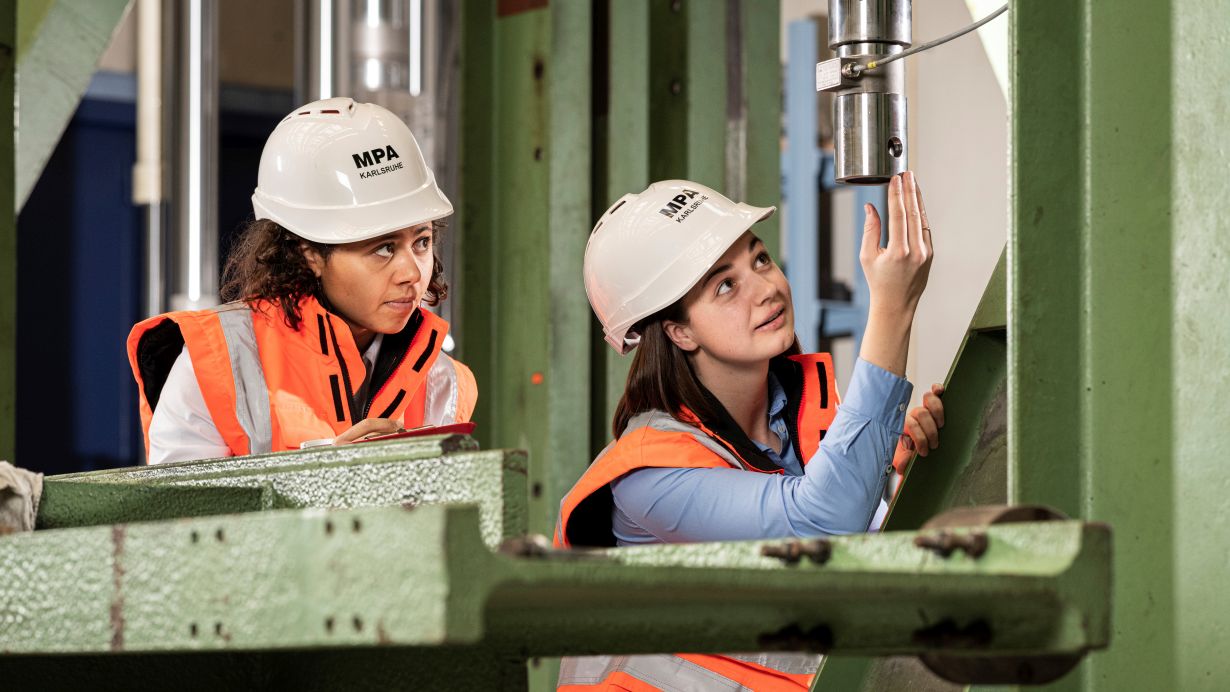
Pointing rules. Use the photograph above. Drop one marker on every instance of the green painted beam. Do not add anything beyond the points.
(1097, 332)
(387, 576)
(761, 76)
(408, 473)
(8, 233)
(622, 154)
(1199, 339)
(54, 66)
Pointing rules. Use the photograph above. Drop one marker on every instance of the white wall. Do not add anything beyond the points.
(959, 149)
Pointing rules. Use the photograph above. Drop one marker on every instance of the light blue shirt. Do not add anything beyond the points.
(836, 493)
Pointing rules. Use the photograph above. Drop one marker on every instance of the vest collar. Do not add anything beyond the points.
(810, 408)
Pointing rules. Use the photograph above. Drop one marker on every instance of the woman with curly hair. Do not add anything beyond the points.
(325, 337)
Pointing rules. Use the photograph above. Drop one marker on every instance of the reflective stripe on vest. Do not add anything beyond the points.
(690, 672)
(251, 392)
(441, 405)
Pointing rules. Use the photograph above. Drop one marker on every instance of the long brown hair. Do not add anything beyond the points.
(661, 376)
(267, 263)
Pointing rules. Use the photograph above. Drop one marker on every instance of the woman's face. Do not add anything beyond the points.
(376, 285)
(741, 312)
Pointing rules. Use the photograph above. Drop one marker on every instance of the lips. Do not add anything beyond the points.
(401, 304)
(777, 314)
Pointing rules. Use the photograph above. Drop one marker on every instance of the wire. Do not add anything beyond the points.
(930, 44)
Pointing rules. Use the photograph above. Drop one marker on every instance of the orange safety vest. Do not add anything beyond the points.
(269, 387)
(657, 439)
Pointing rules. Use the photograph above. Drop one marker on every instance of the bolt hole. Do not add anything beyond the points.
(895, 147)
(536, 490)
(196, 537)
(220, 535)
(536, 662)
(356, 525)
(537, 153)
(218, 628)
(329, 625)
(358, 624)
(539, 68)
(192, 629)
(329, 528)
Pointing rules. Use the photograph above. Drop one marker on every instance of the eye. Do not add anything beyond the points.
(385, 250)
(422, 243)
(763, 260)
(725, 287)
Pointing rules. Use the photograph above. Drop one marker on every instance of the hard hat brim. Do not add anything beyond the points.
(340, 225)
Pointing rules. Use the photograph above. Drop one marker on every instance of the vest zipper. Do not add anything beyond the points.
(396, 366)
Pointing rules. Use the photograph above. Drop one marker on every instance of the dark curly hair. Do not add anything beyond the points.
(267, 263)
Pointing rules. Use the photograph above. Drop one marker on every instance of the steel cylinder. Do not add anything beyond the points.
(870, 114)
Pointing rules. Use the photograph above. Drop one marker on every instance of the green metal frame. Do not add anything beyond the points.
(424, 579)
(409, 473)
(1117, 281)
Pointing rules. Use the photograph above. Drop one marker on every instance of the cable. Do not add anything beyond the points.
(930, 44)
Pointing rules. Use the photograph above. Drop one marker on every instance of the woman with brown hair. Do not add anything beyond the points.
(725, 430)
(325, 338)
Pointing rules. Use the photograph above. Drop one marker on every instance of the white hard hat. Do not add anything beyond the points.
(336, 171)
(649, 249)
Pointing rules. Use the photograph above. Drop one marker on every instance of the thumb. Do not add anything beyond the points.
(871, 232)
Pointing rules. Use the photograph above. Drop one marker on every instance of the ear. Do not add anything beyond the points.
(314, 260)
(680, 335)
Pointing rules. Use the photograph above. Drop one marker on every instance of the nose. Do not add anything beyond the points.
(763, 290)
(406, 268)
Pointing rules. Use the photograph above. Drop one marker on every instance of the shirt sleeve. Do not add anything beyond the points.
(181, 428)
(838, 493)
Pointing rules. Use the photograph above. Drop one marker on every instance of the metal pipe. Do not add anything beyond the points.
(870, 107)
(195, 284)
(147, 172)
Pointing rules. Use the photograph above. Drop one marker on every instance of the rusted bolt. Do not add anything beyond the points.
(676, 87)
(944, 543)
(817, 550)
(220, 535)
(328, 528)
(356, 525)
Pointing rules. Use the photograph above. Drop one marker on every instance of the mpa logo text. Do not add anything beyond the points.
(679, 201)
(373, 157)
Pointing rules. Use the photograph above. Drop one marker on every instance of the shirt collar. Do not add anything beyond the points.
(777, 397)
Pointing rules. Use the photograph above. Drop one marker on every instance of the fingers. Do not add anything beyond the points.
(926, 223)
(934, 406)
(905, 452)
(897, 240)
(922, 429)
(871, 233)
(366, 428)
(913, 212)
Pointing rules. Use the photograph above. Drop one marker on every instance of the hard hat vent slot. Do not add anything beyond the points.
(331, 112)
(615, 208)
(305, 112)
